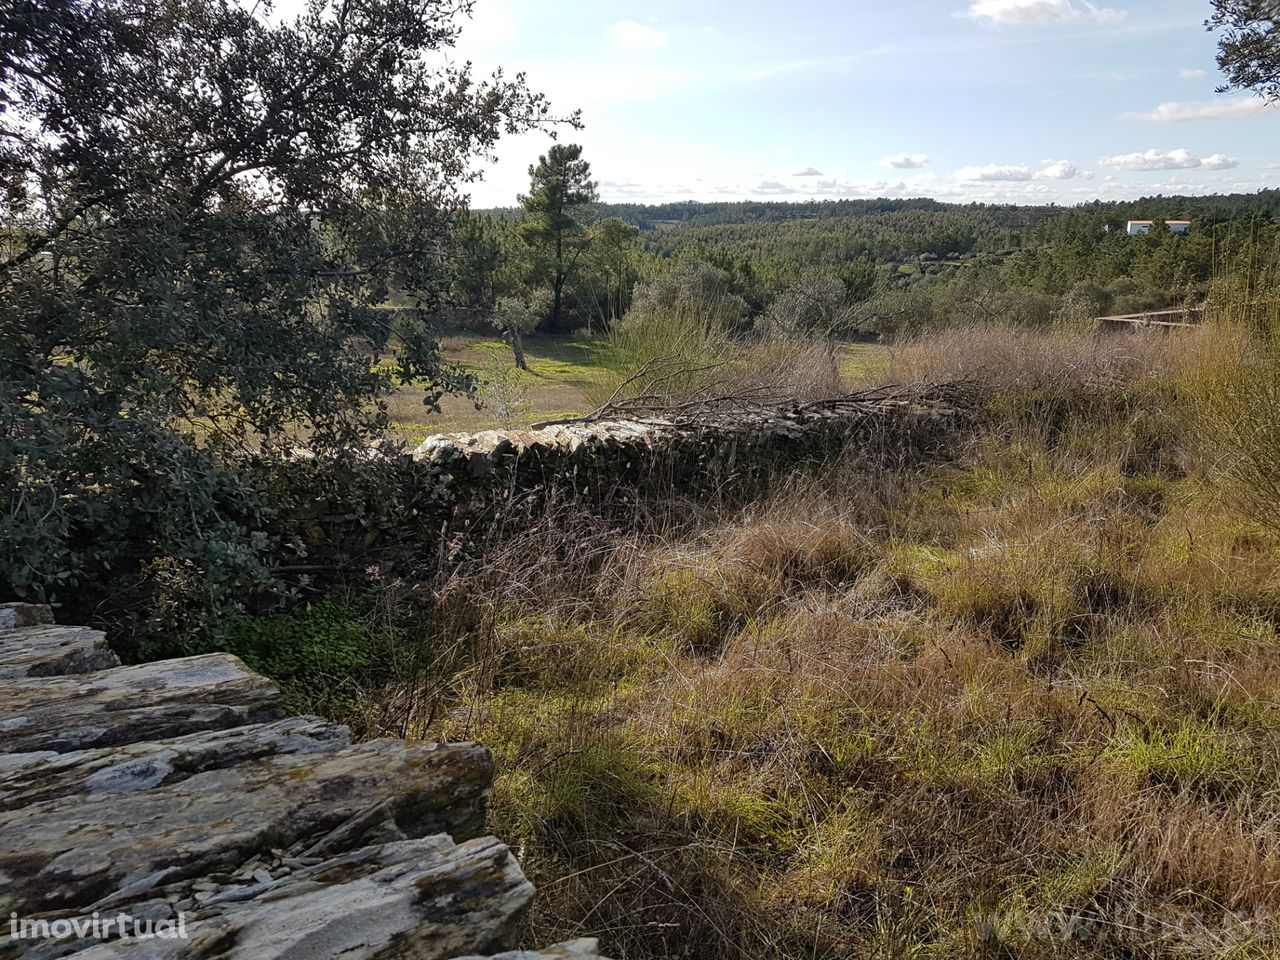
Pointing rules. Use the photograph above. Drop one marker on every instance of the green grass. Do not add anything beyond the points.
(561, 371)
(567, 376)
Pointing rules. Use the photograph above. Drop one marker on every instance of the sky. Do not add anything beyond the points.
(1022, 101)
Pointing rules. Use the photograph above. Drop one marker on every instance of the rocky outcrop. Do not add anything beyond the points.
(129, 704)
(175, 794)
(46, 651)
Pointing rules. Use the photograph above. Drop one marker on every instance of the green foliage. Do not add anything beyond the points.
(1249, 48)
(610, 272)
(324, 654)
(694, 289)
(561, 193)
(207, 206)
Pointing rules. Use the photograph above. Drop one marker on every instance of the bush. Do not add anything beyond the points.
(214, 287)
(326, 655)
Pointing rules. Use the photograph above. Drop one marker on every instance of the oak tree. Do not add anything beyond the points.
(202, 208)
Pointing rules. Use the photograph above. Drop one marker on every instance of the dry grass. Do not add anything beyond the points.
(1005, 360)
(1022, 704)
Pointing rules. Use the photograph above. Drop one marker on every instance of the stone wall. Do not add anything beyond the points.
(461, 482)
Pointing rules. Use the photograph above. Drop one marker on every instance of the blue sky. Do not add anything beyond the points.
(1024, 101)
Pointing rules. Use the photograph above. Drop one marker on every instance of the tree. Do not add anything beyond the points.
(204, 209)
(478, 252)
(612, 244)
(515, 318)
(1249, 48)
(561, 193)
(694, 292)
(815, 302)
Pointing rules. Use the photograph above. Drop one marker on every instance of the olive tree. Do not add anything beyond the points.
(516, 318)
(204, 208)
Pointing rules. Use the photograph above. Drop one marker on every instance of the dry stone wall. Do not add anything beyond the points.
(459, 482)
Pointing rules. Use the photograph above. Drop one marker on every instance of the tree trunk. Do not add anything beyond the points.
(517, 345)
(559, 284)
(555, 304)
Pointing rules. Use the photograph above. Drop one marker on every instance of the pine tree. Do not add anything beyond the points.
(560, 199)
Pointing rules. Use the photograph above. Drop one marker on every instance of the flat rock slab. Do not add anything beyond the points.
(130, 704)
(13, 615)
(584, 948)
(107, 850)
(49, 651)
(173, 793)
(425, 899)
(29, 778)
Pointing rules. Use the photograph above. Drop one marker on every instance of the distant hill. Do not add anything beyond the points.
(693, 213)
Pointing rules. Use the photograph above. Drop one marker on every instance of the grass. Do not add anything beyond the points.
(1020, 702)
(567, 377)
(561, 371)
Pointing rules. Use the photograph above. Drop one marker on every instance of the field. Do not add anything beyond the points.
(559, 383)
(1017, 699)
(999, 679)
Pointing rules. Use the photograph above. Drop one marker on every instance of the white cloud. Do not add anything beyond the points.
(808, 172)
(907, 161)
(1228, 108)
(1219, 161)
(1179, 159)
(878, 188)
(833, 188)
(1060, 170)
(1187, 73)
(1041, 12)
(994, 173)
(629, 33)
(773, 188)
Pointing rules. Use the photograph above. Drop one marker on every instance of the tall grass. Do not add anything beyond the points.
(1236, 389)
(1018, 703)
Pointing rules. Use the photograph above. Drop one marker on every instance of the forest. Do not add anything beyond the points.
(885, 268)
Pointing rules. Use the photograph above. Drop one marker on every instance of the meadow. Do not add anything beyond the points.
(1017, 699)
(568, 376)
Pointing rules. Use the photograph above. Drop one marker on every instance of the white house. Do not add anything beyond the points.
(1144, 226)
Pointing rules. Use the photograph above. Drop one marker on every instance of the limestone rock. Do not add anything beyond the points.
(128, 704)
